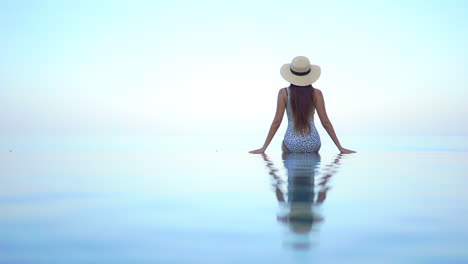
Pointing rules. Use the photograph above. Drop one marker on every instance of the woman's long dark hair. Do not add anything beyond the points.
(302, 106)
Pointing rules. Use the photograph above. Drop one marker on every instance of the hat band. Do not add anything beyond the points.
(300, 73)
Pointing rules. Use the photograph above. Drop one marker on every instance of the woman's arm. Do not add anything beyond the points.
(280, 107)
(326, 123)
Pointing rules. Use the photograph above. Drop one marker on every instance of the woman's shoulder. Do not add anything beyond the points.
(317, 95)
(283, 94)
(317, 91)
(283, 91)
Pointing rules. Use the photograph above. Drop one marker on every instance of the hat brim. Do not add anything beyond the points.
(303, 80)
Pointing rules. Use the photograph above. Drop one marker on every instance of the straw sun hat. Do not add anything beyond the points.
(300, 72)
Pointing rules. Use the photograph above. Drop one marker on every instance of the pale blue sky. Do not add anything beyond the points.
(150, 67)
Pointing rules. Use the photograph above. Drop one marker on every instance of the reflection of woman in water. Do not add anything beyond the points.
(300, 208)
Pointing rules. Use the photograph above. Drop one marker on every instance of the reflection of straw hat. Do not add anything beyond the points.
(300, 72)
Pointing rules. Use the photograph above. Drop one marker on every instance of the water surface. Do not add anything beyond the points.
(233, 207)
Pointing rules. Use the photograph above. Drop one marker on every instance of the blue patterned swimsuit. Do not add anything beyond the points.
(296, 142)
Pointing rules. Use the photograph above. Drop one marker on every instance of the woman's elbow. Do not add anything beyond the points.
(276, 123)
(327, 124)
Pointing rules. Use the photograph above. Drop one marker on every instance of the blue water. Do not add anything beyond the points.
(403, 205)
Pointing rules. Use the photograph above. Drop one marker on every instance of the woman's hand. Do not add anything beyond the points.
(257, 151)
(346, 151)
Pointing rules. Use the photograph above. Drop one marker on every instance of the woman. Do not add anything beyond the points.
(300, 100)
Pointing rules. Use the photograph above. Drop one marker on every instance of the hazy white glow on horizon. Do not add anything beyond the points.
(213, 67)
